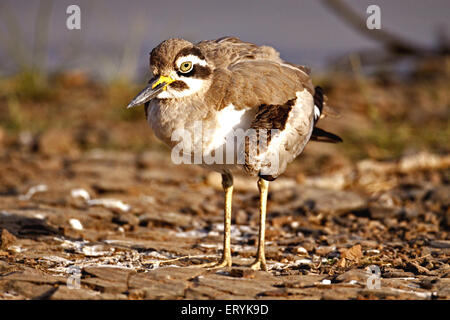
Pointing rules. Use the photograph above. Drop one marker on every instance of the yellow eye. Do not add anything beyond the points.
(186, 66)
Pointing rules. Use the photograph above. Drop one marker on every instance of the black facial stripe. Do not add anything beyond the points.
(179, 85)
(190, 51)
(198, 71)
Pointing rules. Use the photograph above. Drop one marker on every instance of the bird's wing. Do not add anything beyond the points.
(285, 115)
(279, 96)
(250, 84)
(232, 53)
(276, 96)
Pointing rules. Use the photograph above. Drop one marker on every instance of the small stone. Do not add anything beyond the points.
(416, 268)
(442, 244)
(353, 254)
(76, 224)
(301, 251)
(136, 294)
(324, 250)
(80, 193)
(6, 239)
(125, 218)
(308, 246)
(243, 273)
(341, 263)
(353, 275)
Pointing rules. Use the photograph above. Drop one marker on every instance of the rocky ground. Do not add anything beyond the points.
(91, 206)
(122, 225)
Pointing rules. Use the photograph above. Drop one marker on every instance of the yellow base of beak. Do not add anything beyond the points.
(163, 79)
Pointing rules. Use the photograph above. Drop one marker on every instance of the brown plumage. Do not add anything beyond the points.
(253, 75)
(229, 85)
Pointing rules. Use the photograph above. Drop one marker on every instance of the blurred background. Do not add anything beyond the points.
(65, 91)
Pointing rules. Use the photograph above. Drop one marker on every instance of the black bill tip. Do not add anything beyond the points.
(146, 95)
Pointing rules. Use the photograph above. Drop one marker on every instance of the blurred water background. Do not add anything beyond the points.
(117, 36)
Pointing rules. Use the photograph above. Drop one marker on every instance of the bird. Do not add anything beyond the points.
(226, 86)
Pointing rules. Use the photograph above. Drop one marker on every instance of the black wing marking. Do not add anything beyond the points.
(321, 135)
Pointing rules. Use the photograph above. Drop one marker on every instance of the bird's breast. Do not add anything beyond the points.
(205, 129)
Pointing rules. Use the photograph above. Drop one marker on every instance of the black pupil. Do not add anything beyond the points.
(186, 66)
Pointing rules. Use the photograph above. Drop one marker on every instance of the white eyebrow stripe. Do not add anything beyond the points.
(192, 58)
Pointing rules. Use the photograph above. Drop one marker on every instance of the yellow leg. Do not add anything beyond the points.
(260, 262)
(227, 183)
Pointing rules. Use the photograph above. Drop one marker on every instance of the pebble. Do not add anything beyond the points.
(76, 224)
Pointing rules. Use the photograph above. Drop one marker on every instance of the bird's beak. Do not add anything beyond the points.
(154, 87)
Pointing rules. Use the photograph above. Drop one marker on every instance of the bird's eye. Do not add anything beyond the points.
(186, 66)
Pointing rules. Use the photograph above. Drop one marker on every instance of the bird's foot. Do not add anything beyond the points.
(259, 264)
(223, 263)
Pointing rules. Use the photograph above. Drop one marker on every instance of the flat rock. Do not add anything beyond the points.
(124, 218)
(396, 273)
(158, 289)
(64, 293)
(174, 273)
(326, 201)
(442, 244)
(332, 201)
(107, 286)
(34, 276)
(110, 274)
(166, 218)
(27, 289)
(299, 281)
(235, 286)
(356, 274)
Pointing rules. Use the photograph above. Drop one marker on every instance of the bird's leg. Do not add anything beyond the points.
(227, 183)
(260, 262)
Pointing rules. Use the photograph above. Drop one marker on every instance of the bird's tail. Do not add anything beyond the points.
(321, 110)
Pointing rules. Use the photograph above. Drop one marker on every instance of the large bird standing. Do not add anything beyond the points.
(227, 85)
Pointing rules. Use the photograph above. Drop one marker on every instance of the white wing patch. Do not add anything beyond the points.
(316, 112)
(227, 119)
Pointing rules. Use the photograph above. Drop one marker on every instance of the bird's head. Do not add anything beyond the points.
(179, 69)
